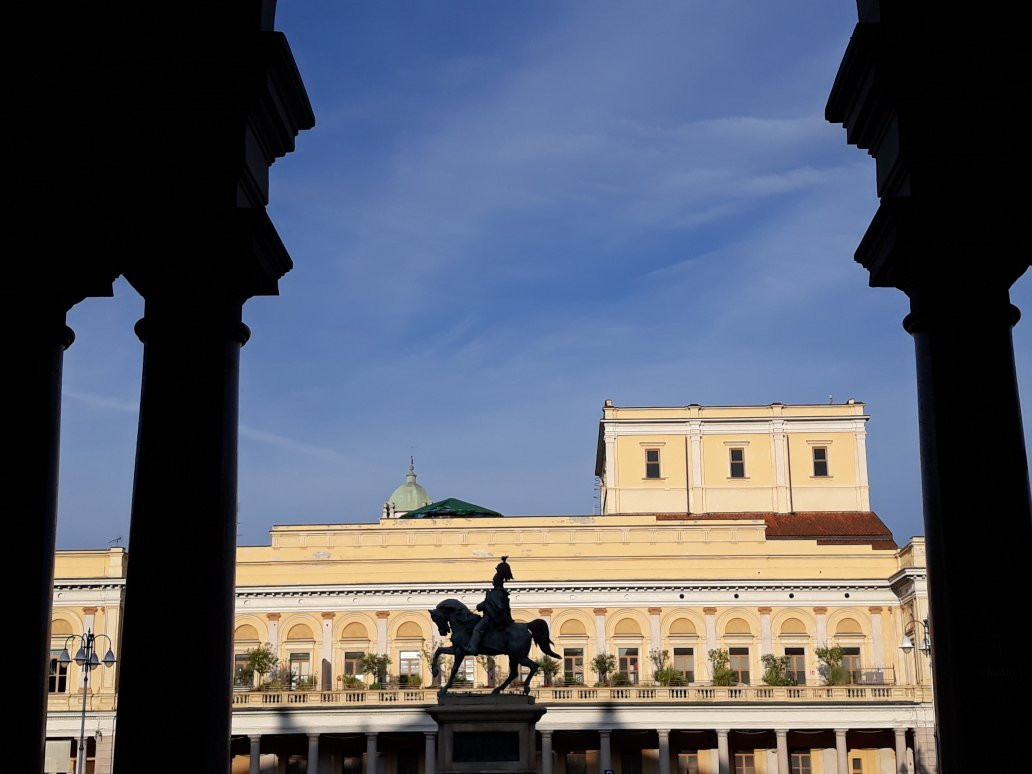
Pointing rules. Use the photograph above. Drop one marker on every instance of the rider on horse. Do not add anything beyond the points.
(495, 606)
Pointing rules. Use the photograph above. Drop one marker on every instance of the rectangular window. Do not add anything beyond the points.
(799, 763)
(684, 662)
(745, 763)
(820, 461)
(737, 463)
(628, 663)
(652, 463)
(408, 665)
(58, 681)
(796, 665)
(573, 665)
(688, 763)
(300, 667)
(740, 663)
(851, 661)
(243, 677)
(353, 662)
(858, 766)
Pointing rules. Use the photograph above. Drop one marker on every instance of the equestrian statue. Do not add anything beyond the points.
(493, 634)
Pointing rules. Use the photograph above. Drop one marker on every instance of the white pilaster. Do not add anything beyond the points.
(766, 638)
(381, 630)
(696, 492)
(546, 752)
(863, 489)
(782, 495)
(655, 635)
(274, 619)
(611, 493)
(822, 625)
(600, 630)
(877, 637)
(664, 750)
(711, 636)
(326, 677)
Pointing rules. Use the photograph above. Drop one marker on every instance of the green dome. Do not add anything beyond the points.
(409, 496)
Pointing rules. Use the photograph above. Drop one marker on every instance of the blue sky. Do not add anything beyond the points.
(509, 212)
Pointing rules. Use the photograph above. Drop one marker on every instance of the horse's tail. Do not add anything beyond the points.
(539, 631)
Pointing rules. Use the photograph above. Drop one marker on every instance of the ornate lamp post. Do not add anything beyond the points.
(910, 633)
(85, 657)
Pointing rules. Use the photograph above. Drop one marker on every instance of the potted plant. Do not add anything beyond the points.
(603, 664)
(831, 668)
(720, 661)
(549, 668)
(261, 661)
(775, 670)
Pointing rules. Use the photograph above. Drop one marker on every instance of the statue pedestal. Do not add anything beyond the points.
(493, 734)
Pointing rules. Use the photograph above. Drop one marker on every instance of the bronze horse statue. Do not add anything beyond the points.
(452, 616)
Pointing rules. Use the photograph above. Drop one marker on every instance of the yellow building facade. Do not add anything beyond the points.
(787, 560)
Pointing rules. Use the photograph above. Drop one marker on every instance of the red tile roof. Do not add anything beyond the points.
(826, 527)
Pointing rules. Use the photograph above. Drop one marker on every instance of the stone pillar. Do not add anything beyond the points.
(664, 750)
(546, 616)
(605, 755)
(782, 740)
(35, 339)
(187, 445)
(255, 761)
(326, 678)
(926, 752)
(89, 615)
(877, 636)
(546, 752)
(371, 754)
(822, 625)
(381, 630)
(841, 751)
(429, 752)
(313, 754)
(766, 636)
(104, 751)
(901, 750)
(723, 755)
(600, 630)
(711, 636)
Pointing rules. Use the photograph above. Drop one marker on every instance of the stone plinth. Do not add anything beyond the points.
(486, 733)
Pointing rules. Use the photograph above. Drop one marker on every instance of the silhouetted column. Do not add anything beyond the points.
(35, 341)
(429, 752)
(255, 762)
(370, 754)
(605, 755)
(313, 754)
(183, 521)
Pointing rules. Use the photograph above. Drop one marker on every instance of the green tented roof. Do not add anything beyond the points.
(451, 508)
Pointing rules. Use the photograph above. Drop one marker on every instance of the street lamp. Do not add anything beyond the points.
(85, 657)
(907, 645)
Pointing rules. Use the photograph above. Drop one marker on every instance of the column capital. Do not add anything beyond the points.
(764, 610)
(383, 613)
(254, 738)
(840, 732)
(655, 610)
(663, 731)
(709, 610)
(546, 734)
(874, 609)
(599, 611)
(328, 616)
(545, 611)
(314, 736)
(820, 610)
(723, 732)
(604, 734)
(781, 733)
(371, 735)
(273, 616)
(89, 611)
(430, 734)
